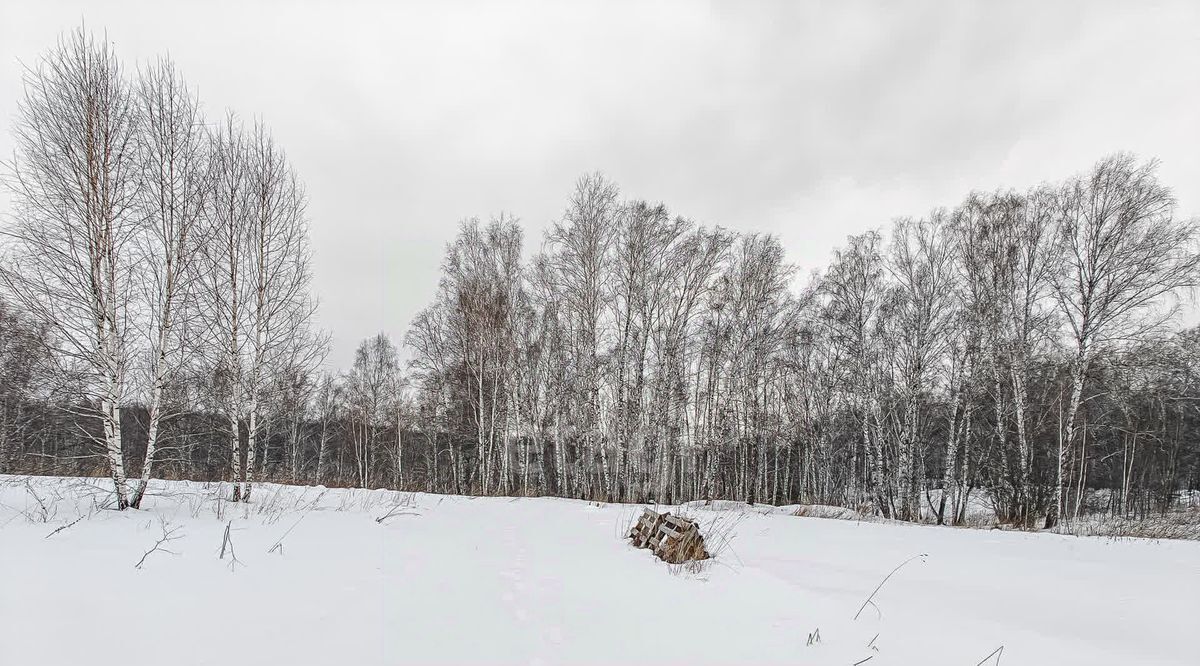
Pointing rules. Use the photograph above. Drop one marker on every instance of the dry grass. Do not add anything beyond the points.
(719, 530)
(1180, 524)
(831, 512)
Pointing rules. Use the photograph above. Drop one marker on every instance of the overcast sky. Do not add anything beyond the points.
(808, 120)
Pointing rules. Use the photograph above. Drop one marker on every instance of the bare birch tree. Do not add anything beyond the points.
(855, 285)
(278, 275)
(173, 154)
(371, 388)
(1122, 254)
(922, 264)
(224, 292)
(580, 260)
(75, 183)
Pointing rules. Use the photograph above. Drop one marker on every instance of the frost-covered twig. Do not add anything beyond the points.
(168, 535)
(878, 587)
(227, 545)
(278, 545)
(400, 502)
(995, 653)
(43, 515)
(395, 512)
(67, 526)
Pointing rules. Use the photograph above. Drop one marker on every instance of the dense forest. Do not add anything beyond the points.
(1025, 346)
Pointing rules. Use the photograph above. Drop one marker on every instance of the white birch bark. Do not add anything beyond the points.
(74, 181)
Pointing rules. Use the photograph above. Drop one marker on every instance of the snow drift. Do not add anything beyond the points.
(318, 576)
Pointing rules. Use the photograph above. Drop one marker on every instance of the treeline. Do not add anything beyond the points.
(1022, 346)
(1017, 345)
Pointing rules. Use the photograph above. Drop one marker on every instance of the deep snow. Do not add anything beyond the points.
(453, 580)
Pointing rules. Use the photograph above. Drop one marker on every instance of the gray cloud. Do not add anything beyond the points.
(810, 120)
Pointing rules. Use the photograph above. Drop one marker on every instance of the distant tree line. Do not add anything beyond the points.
(1023, 346)
(1019, 345)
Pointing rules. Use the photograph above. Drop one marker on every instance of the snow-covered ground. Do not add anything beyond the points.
(377, 577)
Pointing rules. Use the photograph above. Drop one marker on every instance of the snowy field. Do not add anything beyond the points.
(363, 578)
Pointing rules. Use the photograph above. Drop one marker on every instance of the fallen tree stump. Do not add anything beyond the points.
(672, 538)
